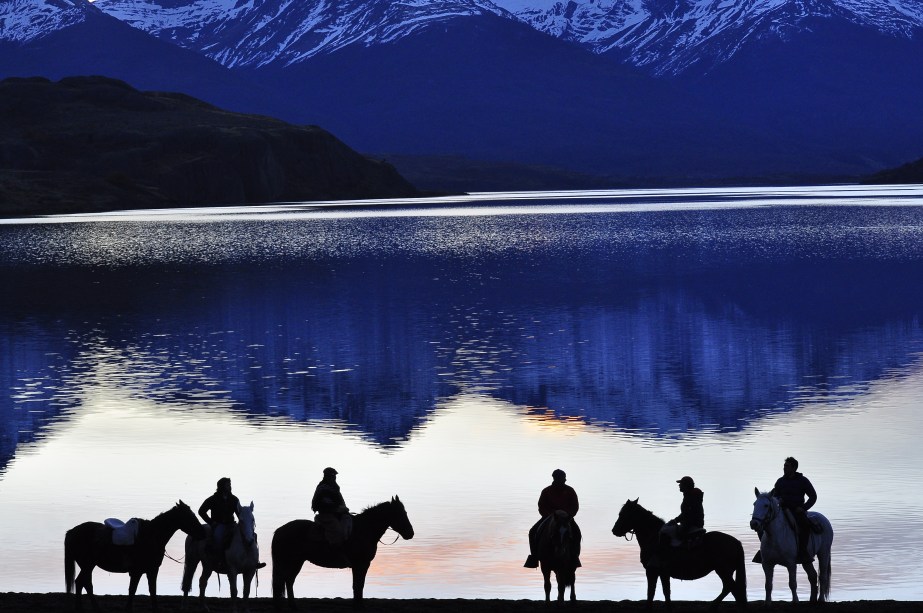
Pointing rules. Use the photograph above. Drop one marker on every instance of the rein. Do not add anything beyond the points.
(392, 542)
(167, 555)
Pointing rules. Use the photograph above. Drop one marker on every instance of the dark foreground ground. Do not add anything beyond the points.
(41, 603)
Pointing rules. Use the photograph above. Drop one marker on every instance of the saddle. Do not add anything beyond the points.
(692, 538)
(331, 529)
(123, 533)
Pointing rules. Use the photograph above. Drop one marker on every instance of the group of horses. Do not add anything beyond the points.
(89, 545)
(703, 554)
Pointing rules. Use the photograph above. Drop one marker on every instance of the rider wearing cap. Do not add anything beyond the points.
(556, 497)
(330, 507)
(691, 511)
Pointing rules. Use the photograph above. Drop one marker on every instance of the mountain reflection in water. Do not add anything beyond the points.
(656, 326)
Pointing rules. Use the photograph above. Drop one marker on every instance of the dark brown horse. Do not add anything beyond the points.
(301, 541)
(90, 545)
(718, 552)
(557, 549)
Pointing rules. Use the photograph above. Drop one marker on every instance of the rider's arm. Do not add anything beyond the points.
(811, 494)
(203, 511)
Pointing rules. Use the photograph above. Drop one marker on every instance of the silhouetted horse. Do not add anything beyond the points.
(302, 540)
(557, 546)
(241, 557)
(717, 552)
(779, 545)
(90, 545)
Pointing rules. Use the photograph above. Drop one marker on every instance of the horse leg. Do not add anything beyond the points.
(727, 584)
(152, 586)
(232, 583)
(85, 581)
(133, 580)
(546, 576)
(359, 573)
(203, 583)
(793, 581)
(812, 579)
(247, 578)
(559, 578)
(573, 593)
(768, 570)
(665, 585)
(651, 587)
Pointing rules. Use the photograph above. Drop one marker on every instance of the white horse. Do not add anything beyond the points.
(779, 545)
(241, 557)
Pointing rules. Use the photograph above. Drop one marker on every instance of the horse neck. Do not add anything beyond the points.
(647, 527)
(779, 530)
(373, 521)
(163, 527)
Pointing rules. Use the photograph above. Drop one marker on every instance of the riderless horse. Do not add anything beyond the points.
(242, 556)
(557, 548)
(716, 551)
(90, 545)
(302, 540)
(779, 545)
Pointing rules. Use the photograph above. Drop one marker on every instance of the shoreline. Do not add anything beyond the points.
(18, 602)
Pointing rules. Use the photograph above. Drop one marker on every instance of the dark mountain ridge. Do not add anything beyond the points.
(93, 143)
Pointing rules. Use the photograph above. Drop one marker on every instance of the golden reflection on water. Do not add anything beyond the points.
(470, 478)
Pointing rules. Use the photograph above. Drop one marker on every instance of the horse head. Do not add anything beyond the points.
(626, 521)
(247, 524)
(398, 520)
(765, 508)
(187, 521)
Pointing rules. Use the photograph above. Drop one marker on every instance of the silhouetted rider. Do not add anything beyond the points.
(556, 497)
(792, 488)
(691, 511)
(330, 507)
(218, 511)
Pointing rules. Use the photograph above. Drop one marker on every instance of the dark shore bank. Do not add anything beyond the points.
(12, 602)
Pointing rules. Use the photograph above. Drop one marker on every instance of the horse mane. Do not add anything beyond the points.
(376, 507)
(650, 514)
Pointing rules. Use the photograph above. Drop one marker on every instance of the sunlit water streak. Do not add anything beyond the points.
(455, 356)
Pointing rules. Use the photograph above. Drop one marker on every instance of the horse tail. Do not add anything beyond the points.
(190, 564)
(740, 579)
(826, 569)
(69, 561)
(278, 578)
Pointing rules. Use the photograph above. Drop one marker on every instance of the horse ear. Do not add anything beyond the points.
(396, 499)
(756, 491)
(181, 503)
(637, 499)
(251, 505)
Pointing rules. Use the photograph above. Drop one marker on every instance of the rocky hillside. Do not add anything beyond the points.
(910, 173)
(92, 144)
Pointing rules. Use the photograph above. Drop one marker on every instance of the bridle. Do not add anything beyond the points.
(768, 517)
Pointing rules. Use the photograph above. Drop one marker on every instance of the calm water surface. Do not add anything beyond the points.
(454, 352)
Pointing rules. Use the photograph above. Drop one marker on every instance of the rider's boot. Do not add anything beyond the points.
(531, 562)
(758, 558)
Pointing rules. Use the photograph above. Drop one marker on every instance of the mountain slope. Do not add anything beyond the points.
(90, 143)
(253, 34)
(60, 38)
(669, 37)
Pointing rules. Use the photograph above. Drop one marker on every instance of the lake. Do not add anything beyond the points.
(454, 351)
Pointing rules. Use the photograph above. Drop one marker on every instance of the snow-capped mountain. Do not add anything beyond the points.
(661, 36)
(672, 36)
(254, 33)
(24, 21)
